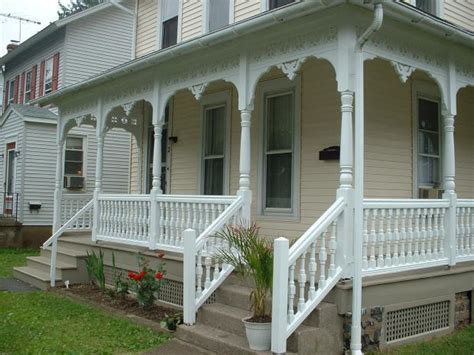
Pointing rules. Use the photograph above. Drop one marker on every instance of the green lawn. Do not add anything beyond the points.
(459, 343)
(10, 257)
(42, 322)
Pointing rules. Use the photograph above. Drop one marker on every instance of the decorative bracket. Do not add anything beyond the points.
(404, 71)
(291, 68)
(79, 120)
(128, 107)
(198, 89)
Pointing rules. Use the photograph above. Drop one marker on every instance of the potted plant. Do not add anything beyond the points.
(252, 258)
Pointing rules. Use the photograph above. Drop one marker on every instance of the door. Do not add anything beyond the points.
(10, 169)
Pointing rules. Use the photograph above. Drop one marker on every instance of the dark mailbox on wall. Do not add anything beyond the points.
(330, 153)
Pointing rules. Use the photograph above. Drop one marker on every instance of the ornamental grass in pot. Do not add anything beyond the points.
(252, 258)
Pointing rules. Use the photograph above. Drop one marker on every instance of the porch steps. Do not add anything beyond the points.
(34, 277)
(219, 327)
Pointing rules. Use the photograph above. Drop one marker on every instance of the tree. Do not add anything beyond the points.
(76, 6)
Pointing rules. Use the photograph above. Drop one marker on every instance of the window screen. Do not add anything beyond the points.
(218, 14)
(169, 17)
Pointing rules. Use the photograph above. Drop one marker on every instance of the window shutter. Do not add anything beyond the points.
(41, 79)
(54, 84)
(16, 86)
(22, 88)
(33, 82)
(5, 95)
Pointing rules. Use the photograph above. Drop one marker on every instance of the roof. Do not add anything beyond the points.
(29, 113)
(50, 29)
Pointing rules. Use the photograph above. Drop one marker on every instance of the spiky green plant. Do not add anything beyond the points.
(252, 257)
(95, 268)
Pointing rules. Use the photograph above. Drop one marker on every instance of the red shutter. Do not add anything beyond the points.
(16, 86)
(33, 82)
(5, 95)
(22, 89)
(41, 79)
(54, 83)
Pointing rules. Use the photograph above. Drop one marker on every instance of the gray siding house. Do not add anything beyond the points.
(67, 51)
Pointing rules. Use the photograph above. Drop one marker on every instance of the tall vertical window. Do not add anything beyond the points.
(214, 149)
(48, 76)
(429, 155)
(27, 87)
(74, 157)
(169, 19)
(11, 91)
(218, 14)
(273, 4)
(279, 152)
(428, 6)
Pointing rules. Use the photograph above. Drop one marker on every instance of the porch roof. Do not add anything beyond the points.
(29, 113)
(397, 10)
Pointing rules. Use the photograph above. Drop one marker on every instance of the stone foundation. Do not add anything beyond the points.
(35, 236)
(10, 233)
(462, 309)
(372, 321)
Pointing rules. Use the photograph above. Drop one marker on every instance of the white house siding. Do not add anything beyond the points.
(147, 27)
(460, 12)
(192, 17)
(12, 130)
(245, 9)
(97, 42)
(34, 56)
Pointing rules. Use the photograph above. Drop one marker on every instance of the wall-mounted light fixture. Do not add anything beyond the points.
(173, 139)
(17, 153)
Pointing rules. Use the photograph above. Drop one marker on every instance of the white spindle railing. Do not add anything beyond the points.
(203, 273)
(304, 274)
(464, 230)
(404, 234)
(70, 205)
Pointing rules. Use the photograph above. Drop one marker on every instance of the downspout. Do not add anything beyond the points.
(356, 331)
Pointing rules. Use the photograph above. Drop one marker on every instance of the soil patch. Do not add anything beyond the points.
(126, 304)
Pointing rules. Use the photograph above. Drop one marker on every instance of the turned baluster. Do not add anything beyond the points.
(291, 293)
(396, 237)
(441, 235)
(373, 240)
(365, 246)
(423, 235)
(388, 239)
(435, 251)
(322, 260)
(429, 232)
(416, 235)
(380, 256)
(302, 282)
(199, 272)
(312, 267)
(332, 250)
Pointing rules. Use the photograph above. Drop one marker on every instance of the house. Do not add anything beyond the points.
(65, 52)
(344, 125)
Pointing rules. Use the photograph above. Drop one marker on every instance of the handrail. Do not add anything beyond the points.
(54, 239)
(322, 223)
(405, 203)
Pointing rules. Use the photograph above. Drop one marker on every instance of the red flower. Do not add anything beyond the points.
(132, 275)
(160, 255)
(159, 275)
(140, 276)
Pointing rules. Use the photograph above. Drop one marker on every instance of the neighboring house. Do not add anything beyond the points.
(329, 122)
(65, 52)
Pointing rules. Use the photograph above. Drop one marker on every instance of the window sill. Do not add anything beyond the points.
(291, 218)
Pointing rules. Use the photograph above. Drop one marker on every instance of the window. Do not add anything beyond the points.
(429, 155)
(169, 19)
(433, 7)
(273, 4)
(28, 87)
(74, 157)
(11, 91)
(48, 76)
(218, 14)
(214, 150)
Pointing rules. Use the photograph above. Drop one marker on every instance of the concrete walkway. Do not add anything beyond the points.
(178, 347)
(13, 285)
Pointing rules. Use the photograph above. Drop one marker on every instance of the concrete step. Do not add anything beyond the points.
(236, 296)
(64, 271)
(223, 317)
(34, 277)
(65, 255)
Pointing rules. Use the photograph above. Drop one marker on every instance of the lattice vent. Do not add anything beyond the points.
(415, 321)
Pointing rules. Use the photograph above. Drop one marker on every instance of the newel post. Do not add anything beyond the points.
(244, 165)
(156, 188)
(449, 185)
(98, 179)
(189, 277)
(280, 295)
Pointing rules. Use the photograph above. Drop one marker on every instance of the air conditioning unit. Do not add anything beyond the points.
(74, 182)
(430, 193)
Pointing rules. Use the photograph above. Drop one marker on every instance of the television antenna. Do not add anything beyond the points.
(20, 20)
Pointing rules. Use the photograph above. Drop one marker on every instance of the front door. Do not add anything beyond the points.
(10, 170)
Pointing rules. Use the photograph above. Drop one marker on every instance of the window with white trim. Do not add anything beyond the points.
(429, 144)
(74, 157)
(279, 172)
(28, 77)
(218, 14)
(169, 22)
(11, 91)
(48, 76)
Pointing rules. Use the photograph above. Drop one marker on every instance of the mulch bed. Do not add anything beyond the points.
(127, 304)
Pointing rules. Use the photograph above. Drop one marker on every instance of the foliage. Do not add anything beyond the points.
(75, 6)
(10, 257)
(251, 256)
(46, 323)
(95, 268)
(171, 322)
(147, 283)
(121, 286)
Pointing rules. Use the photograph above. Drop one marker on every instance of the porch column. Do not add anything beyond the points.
(346, 163)
(244, 166)
(100, 133)
(449, 184)
(156, 185)
(58, 188)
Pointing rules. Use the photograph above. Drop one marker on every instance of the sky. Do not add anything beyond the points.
(44, 11)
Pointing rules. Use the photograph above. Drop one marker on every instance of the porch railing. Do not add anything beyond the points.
(464, 230)
(305, 273)
(70, 205)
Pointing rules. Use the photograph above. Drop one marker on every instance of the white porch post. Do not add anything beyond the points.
(244, 166)
(449, 185)
(345, 230)
(100, 134)
(58, 188)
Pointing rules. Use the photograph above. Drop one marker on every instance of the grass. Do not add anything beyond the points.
(42, 322)
(459, 343)
(10, 257)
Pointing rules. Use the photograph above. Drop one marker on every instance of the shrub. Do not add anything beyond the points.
(95, 268)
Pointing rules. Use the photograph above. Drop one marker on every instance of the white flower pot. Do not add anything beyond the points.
(259, 335)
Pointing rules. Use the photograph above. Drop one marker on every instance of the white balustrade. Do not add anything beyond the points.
(465, 230)
(70, 205)
(404, 234)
